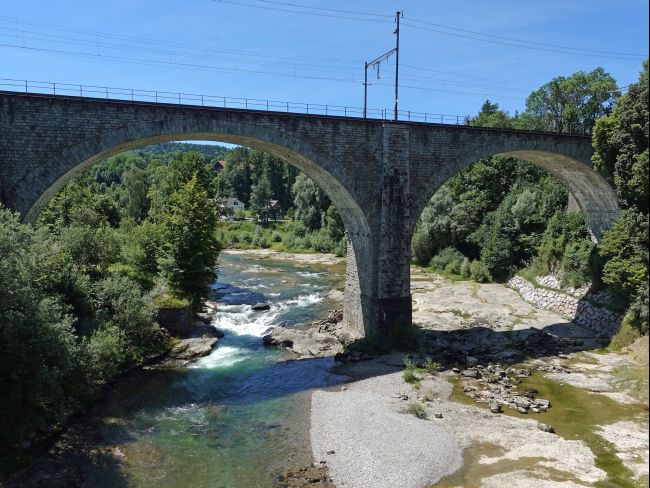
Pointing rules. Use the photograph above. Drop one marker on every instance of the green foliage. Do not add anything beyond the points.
(261, 196)
(410, 377)
(567, 251)
(310, 202)
(417, 409)
(190, 248)
(169, 301)
(638, 311)
(626, 334)
(625, 252)
(491, 116)
(432, 366)
(37, 347)
(571, 104)
(479, 272)
(448, 260)
(621, 145)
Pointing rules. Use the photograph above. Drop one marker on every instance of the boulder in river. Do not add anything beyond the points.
(305, 343)
(261, 306)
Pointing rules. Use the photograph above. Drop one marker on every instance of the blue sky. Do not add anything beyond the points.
(217, 47)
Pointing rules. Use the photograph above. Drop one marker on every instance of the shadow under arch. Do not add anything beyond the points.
(594, 195)
(295, 152)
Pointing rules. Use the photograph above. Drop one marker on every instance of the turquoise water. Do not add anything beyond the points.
(238, 417)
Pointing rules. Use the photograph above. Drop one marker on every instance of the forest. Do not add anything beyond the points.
(141, 231)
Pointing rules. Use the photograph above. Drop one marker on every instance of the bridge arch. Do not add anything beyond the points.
(62, 168)
(570, 164)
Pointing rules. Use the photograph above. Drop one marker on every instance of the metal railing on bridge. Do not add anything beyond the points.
(218, 101)
(181, 98)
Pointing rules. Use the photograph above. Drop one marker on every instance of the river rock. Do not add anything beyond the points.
(495, 407)
(192, 348)
(546, 428)
(471, 373)
(261, 306)
(305, 343)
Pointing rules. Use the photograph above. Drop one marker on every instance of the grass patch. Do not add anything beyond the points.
(417, 409)
(625, 335)
(169, 301)
(409, 375)
(432, 367)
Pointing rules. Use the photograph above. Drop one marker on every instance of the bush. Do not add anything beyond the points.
(418, 410)
(479, 272)
(578, 263)
(169, 301)
(410, 377)
(422, 248)
(638, 311)
(291, 241)
(432, 366)
(624, 250)
(103, 354)
(276, 237)
(449, 260)
(341, 247)
(297, 228)
(466, 268)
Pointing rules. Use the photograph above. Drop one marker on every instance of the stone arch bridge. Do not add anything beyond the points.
(379, 174)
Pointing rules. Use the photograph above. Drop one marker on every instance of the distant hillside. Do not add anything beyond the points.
(208, 150)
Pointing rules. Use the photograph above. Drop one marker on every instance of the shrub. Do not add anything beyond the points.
(638, 310)
(418, 410)
(276, 237)
(577, 262)
(432, 366)
(103, 354)
(410, 377)
(422, 247)
(169, 301)
(341, 247)
(297, 228)
(479, 272)
(466, 268)
(625, 253)
(322, 242)
(291, 241)
(449, 260)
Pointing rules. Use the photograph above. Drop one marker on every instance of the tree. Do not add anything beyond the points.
(190, 248)
(309, 201)
(491, 116)
(136, 188)
(261, 196)
(37, 344)
(621, 145)
(571, 104)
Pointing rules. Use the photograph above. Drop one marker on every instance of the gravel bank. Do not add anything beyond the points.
(375, 444)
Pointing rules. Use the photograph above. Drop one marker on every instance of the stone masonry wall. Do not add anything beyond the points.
(569, 304)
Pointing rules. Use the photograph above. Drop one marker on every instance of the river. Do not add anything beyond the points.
(238, 417)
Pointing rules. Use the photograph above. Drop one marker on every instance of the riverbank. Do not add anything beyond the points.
(245, 415)
(599, 411)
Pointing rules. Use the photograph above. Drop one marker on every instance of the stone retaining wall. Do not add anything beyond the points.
(602, 321)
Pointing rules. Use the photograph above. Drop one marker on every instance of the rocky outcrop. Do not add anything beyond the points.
(324, 338)
(575, 304)
(497, 386)
(177, 321)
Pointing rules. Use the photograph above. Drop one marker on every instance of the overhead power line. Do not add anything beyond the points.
(300, 9)
(353, 12)
(303, 12)
(558, 46)
(571, 51)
